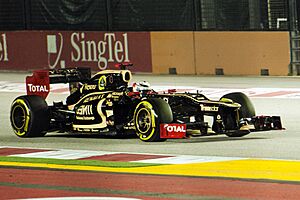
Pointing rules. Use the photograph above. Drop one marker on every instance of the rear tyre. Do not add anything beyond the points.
(29, 116)
(148, 116)
(247, 110)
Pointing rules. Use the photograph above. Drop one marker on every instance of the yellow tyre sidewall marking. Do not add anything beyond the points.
(20, 131)
(23, 111)
(148, 107)
(149, 112)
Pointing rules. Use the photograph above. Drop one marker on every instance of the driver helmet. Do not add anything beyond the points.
(141, 86)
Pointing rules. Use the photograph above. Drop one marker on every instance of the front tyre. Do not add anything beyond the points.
(148, 116)
(29, 116)
(247, 110)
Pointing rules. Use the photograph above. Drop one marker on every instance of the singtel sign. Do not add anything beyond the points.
(94, 51)
(97, 50)
(107, 49)
(3, 48)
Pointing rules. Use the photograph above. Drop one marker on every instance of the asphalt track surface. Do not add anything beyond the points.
(266, 165)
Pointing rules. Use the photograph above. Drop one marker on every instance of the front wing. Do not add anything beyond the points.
(254, 124)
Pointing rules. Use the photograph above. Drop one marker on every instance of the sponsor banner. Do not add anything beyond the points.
(28, 50)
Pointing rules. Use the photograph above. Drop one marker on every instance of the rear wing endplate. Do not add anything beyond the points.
(39, 82)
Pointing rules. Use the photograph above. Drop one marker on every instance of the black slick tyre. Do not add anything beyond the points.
(247, 110)
(148, 116)
(29, 116)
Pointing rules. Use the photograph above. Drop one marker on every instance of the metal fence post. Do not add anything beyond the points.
(294, 67)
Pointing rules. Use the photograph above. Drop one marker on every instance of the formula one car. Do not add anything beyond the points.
(106, 104)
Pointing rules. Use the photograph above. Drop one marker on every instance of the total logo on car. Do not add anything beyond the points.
(173, 130)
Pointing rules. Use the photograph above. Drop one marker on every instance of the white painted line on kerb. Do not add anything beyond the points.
(63, 154)
(80, 154)
(185, 159)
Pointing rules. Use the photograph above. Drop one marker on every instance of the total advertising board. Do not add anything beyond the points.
(28, 50)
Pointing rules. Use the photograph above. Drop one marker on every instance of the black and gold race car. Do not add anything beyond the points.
(106, 104)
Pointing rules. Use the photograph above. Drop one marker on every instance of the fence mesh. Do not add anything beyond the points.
(145, 15)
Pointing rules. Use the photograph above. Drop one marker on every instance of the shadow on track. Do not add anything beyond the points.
(202, 139)
(208, 139)
(90, 136)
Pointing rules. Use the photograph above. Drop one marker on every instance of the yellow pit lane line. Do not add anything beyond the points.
(279, 170)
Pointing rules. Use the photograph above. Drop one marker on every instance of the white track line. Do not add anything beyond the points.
(63, 154)
(79, 154)
(185, 159)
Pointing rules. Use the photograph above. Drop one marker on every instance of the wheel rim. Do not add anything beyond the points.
(18, 117)
(144, 120)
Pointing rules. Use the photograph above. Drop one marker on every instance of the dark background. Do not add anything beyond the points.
(144, 15)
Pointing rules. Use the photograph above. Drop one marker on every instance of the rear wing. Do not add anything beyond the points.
(39, 82)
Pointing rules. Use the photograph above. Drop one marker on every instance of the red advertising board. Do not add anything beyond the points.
(27, 50)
